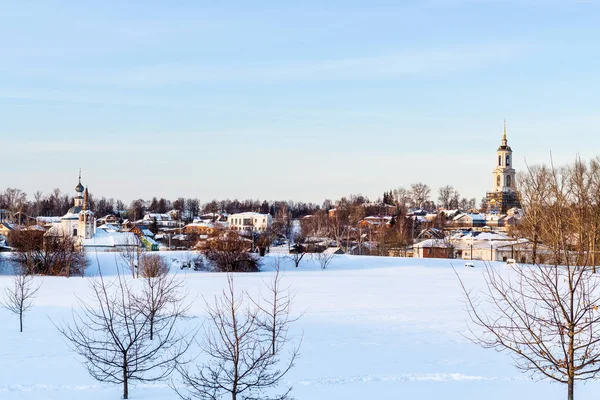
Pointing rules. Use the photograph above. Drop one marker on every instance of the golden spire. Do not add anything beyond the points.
(504, 136)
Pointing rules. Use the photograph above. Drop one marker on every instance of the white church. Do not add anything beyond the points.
(80, 223)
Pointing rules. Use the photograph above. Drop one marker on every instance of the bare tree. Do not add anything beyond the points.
(546, 317)
(446, 195)
(594, 204)
(275, 307)
(532, 186)
(18, 299)
(112, 334)
(402, 197)
(323, 259)
(419, 193)
(297, 254)
(229, 252)
(152, 266)
(242, 362)
(162, 297)
(131, 253)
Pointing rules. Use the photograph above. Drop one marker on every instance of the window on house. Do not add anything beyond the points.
(498, 180)
(507, 160)
(499, 160)
(74, 232)
(508, 180)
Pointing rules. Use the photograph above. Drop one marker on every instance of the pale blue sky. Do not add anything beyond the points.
(291, 100)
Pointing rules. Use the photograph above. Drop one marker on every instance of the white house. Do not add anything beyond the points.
(163, 220)
(249, 222)
(489, 246)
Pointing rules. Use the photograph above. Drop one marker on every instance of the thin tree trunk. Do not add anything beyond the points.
(534, 249)
(570, 385)
(21, 321)
(125, 383)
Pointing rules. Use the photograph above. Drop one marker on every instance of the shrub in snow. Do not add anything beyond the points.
(231, 253)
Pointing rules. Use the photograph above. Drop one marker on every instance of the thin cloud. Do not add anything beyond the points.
(380, 67)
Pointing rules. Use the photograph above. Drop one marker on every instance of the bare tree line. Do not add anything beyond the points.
(129, 330)
(561, 212)
(57, 203)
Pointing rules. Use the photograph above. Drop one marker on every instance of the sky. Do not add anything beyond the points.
(302, 100)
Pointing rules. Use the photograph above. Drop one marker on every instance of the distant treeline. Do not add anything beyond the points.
(57, 203)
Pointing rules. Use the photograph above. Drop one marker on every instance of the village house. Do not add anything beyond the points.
(199, 228)
(161, 220)
(374, 221)
(250, 222)
(468, 221)
(146, 237)
(432, 248)
(487, 246)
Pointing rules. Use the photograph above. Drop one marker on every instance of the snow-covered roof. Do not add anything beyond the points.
(108, 238)
(450, 212)
(72, 214)
(34, 228)
(157, 216)
(441, 243)
(200, 225)
(150, 240)
(332, 250)
(487, 236)
(48, 220)
(248, 214)
(377, 219)
(145, 230)
(109, 227)
(473, 217)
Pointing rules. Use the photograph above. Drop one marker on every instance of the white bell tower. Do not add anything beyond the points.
(504, 173)
(87, 222)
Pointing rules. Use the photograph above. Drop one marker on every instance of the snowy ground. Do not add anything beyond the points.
(373, 328)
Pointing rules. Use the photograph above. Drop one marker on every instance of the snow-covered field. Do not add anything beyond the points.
(373, 328)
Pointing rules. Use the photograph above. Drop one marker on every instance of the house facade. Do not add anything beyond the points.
(249, 222)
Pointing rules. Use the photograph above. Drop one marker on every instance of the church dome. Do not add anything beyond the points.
(79, 188)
